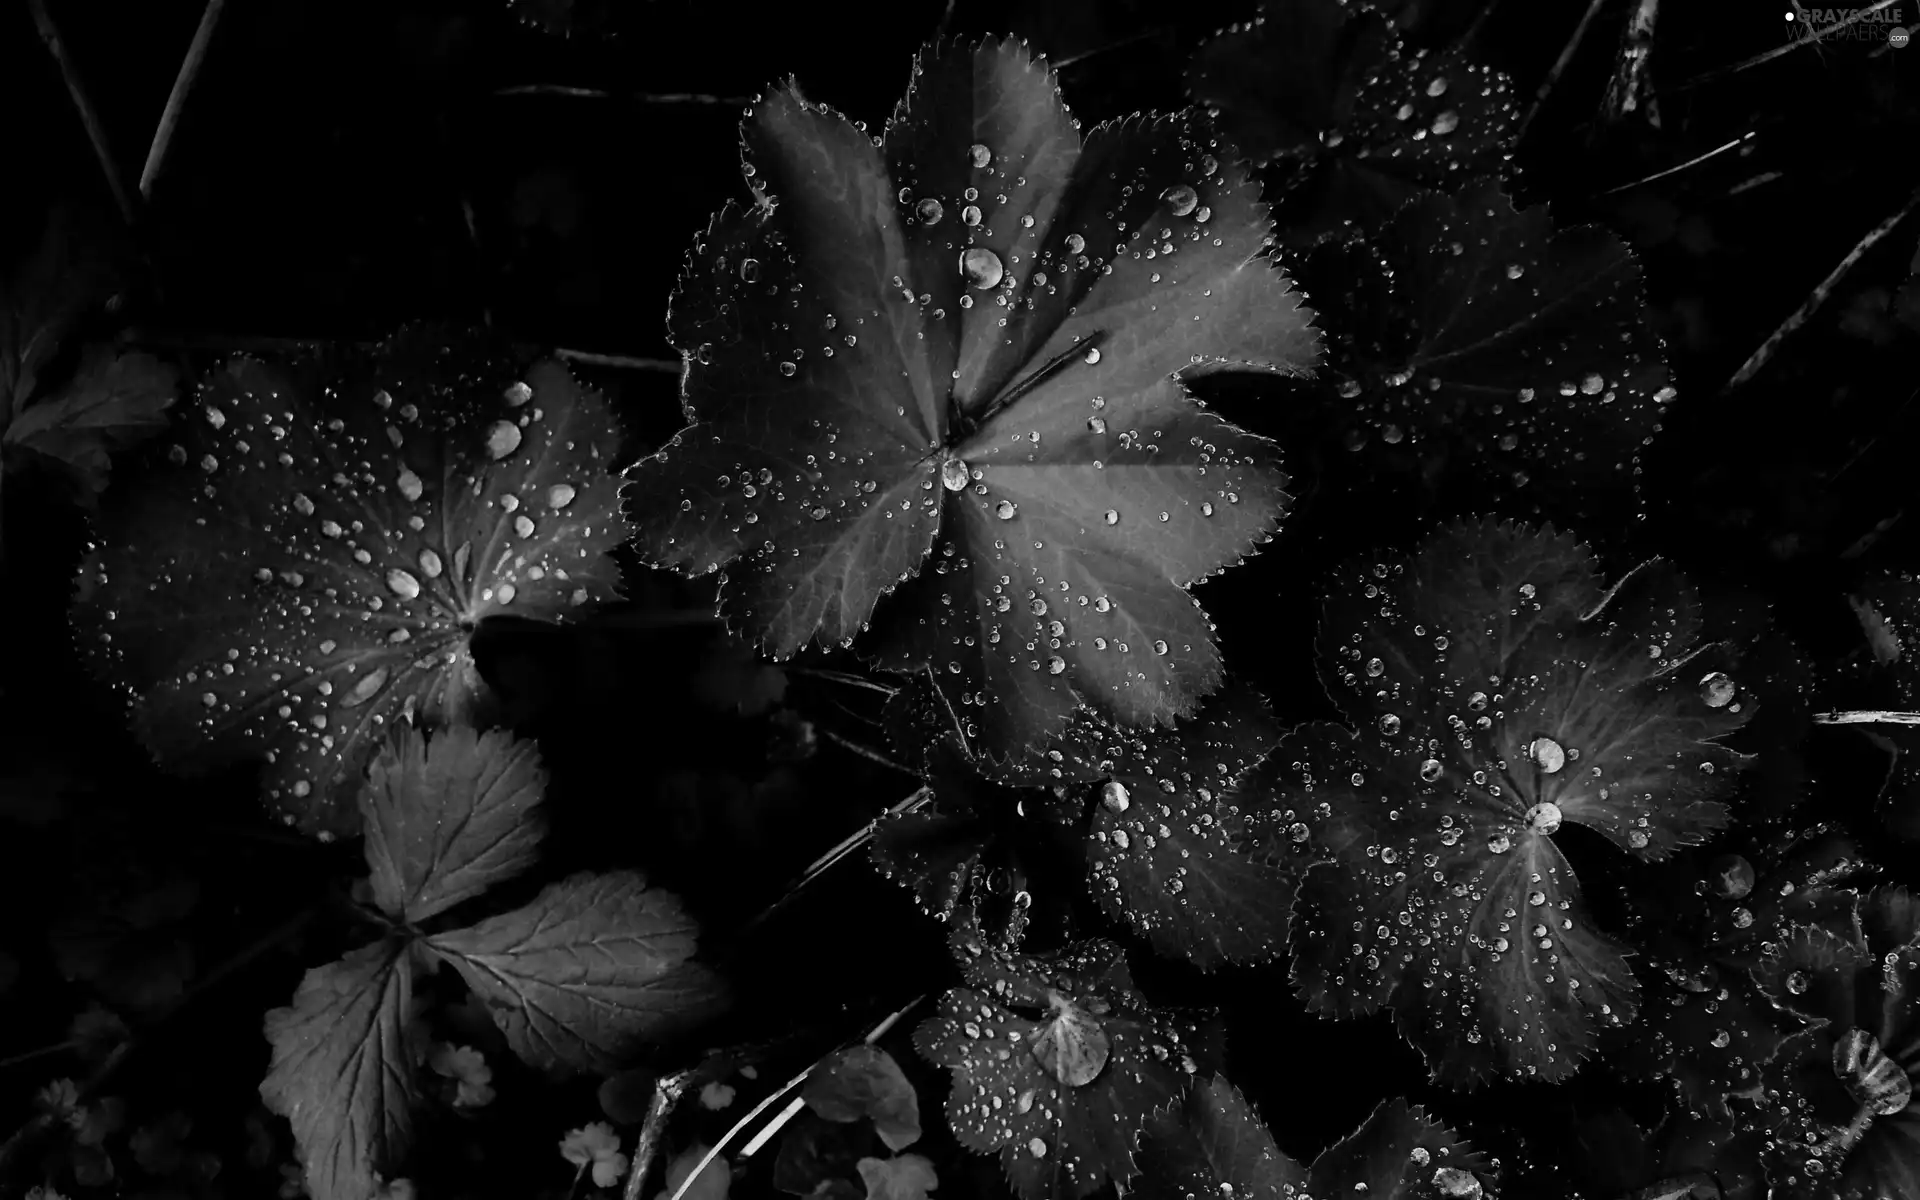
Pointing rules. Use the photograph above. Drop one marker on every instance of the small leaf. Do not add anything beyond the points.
(114, 402)
(1062, 1130)
(42, 301)
(1477, 352)
(593, 968)
(448, 818)
(1361, 123)
(1214, 1144)
(865, 1081)
(713, 1182)
(1401, 1154)
(971, 341)
(343, 1072)
(902, 1177)
(306, 561)
(1497, 693)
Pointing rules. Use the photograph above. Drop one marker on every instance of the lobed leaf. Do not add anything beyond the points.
(343, 1072)
(865, 1081)
(1090, 1064)
(595, 967)
(1400, 1153)
(968, 341)
(307, 559)
(902, 1177)
(112, 403)
(1214, 1144)
(447, 818)
(1497, 692)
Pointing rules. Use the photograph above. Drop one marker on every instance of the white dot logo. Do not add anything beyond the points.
(1897, 37)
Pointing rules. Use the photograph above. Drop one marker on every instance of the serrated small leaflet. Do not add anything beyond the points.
(595, 967)
(1506, 363)
(968, 342)
(447, 818)
(343, 1073)
(902, 1177)
(1214, 1144)
(865, 1082)
(1359, 122)
(1061, 1131)
(302, 566)
(1837, 1118)
(1496, 692)
(1400, 1153)
(44, 298)
(113, 402)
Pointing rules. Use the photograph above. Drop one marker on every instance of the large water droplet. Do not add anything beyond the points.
(953, 475)
(1181, 199)
(929, 211)
(409, 484)
(430, 564)
(1075, 243)
(402, 584)
(1717, 689)
(1005, 510)
(1731, 877)
(1113, 794)
(517, 394)
(981, 156)
(560, 495)
(364, 689)
(1544, 817)
(1430, 770)
(1390, 724)
(1056, 665)
(502, 439)
(1547, 754)
(981, 268)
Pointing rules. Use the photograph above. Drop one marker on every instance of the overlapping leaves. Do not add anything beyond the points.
(1058, 1064)
(1356, 122)
(1478, 357)
(1497, 692)
(1837, 1112)
(952, 360)
(309, 553)
(1215, 1145)
(579, 978)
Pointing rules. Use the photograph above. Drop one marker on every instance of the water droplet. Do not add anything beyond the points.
(1544, 817)
(1114, 795)
(1797, 982)
(430, 564)
(402, 584)
(1298, 832)
(1075, 243)
(409, 484)
(929, 211)
(505, 593)
(1717, 689)
(1037, 1148)
(1547, 754)
(1093, 354)
(1638, 839)
(523, 525)
(1477, 702)
(502, 439)
(749, 270)
(1096, 424)
(560, 495)
(981, 267)
(787, 369)
(1731, 877)
(1536, 897)
(1159, 647)
(1113, 516)
(1390, 724)
(1430, 770)
(1056, 665)
(1181, 199)
(1446, 122)
(364, 689)
(1499, 844)
(953, 475)
(1005, 510)
(518, 393)
(1438, 87)
(981, 156)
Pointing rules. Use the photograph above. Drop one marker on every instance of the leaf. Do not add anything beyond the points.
(1360, 122)
(713, 1183)
(856, 403)
(593, 968)
(43, 300)
(1214, 1144)
(305, 564)
(1170, 851)
(902, 1177)
(865, 1081)
(114, 402)
(1496, 693)
(1090, 1065)
(1400, 1153)
(1836, 1119)
(1479, 354)
(449, 817)
(343, 1073)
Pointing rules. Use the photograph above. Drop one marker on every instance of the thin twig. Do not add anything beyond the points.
(1694, 161)
(1559, 68)
(1769, 55)
(619, 360)
(666, 1094)
(1819, 296)
(846, 677)
(42, 1052)
(866, 752)
(847, 845)
(667, 98)
(177, 99)
(96, 132)
(1629, 90)
(1867, 717)
(1074, 60)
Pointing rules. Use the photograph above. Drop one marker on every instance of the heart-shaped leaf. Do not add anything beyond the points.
(1497, 692)
(1359, 122)
(305, 561)
(1400, 1153)
(448, 818)
(969, 340)
(865, 1081)
(1058, 1064)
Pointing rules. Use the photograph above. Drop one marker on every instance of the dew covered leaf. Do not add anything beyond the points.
(306, 557)
(447, 818)
(343, 1071)
(865, 1081)
(1479, 358)
(595, 967)
(1836, 1116)
(1059, 1065)
(1214, 1144)
(902, 1177)
(964, 342)
(1496, 692)
(113, 402)
(1400, 1153)
(1358, 122)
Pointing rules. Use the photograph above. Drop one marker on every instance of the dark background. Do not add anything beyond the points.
(345, 167)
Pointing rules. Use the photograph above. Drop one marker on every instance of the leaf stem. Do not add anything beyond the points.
(847, 845)
(1694, 161)
(1628, 91)
(1760, 357)
(618, 360)
(682, 99)
(177, 98)
(1559, 68)
(866, 752)
(96, 132)
(1869, 716)
(666, 1094)
(42, 1052)
(1046, 371)
(846, 677)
